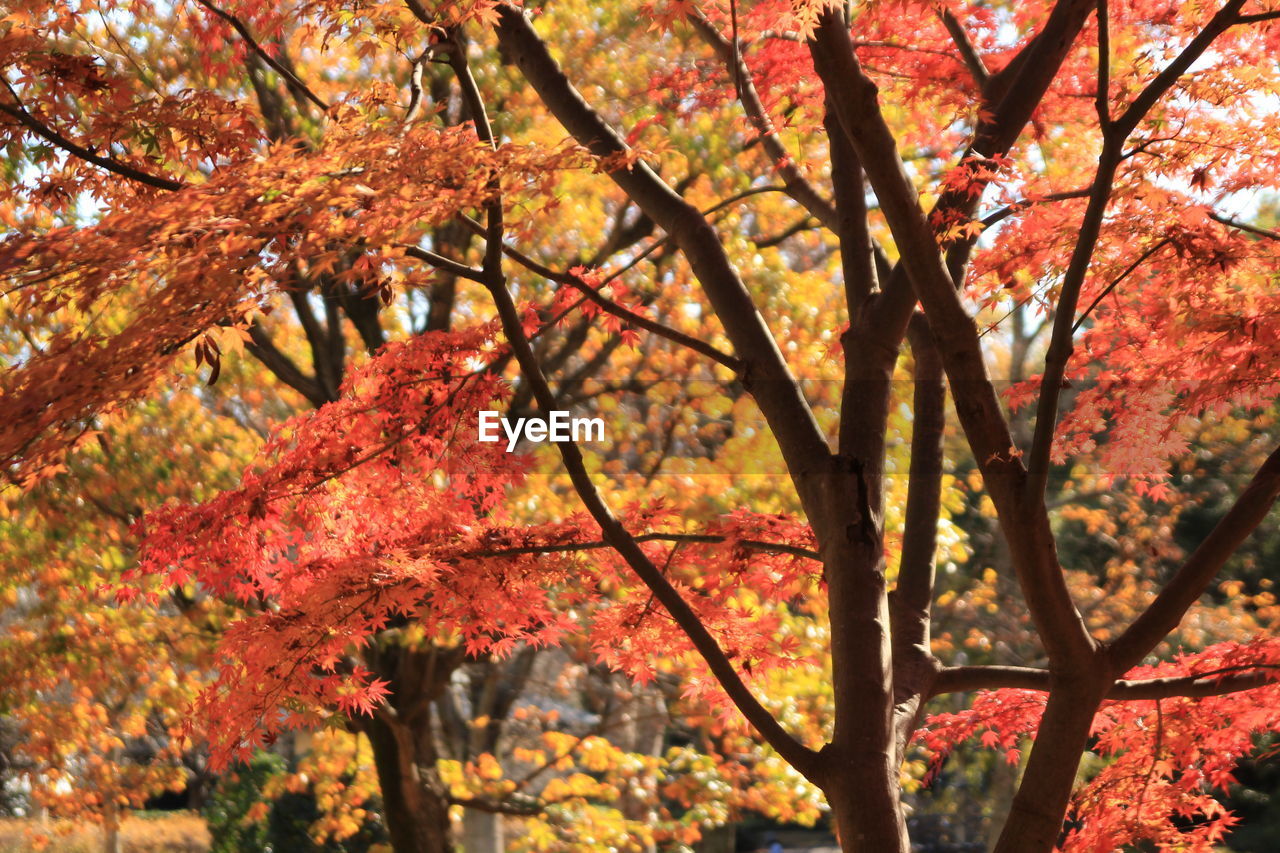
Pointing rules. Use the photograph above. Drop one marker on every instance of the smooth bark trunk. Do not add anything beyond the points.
(1036, 816)
(414, 799)
(863, 796)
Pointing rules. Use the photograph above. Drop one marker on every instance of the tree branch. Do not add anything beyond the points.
(1115, 282)
(1244, 226)
(281, 366)
(277, 66)
(795, 753)
(48, 134)
(1061, 345)
(1190, 581)
(699, 538)
(965, 679)
(1026, 526)
(1259, 17)
(1114, 136)
(795, 183)
(447, 264)
(1021, 205)
(611, 307)
(1009, 98)
(911, 600)
(857, 262)
(968, 52)
(483, 804)
(1164, 81)
(457, 55)
(1102, 100)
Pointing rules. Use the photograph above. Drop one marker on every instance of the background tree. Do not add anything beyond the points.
(378, 507)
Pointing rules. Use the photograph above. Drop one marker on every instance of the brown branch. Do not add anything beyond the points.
(611, 307)
(1102, 100)
(484, 804)
(39, 128)
(698, 538)
(857, 262)
(277, 66)
(729, 201)
(965, 679)
(1244, 226)
(795, 753)
(1190, 581)
(1009, 98)
(775, 240)
(1115, 282)
(1022, 204)
(1061, 344)
(1114, 135)
(281, 366)
(1258, 18)
(456, 51)
(1026, 526)
(1013, 93)
(415, 85)
(765, 373)
(968, 52)
(795, 183)
(666, 239)
(1164, 81)
(447, 264)
(912, 598)
(321, 358)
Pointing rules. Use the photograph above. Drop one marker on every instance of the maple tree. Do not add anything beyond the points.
(99, 690)
(487, 795)
(1079, 157)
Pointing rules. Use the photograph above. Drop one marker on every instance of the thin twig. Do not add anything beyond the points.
(1244, 226)
(699, 538)
(611, 307)
(1116, 281)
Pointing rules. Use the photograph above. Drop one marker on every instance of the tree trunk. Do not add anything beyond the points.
(863, 795)
(1036, 817)
(482, 832)
(111, 841)
(414, 801)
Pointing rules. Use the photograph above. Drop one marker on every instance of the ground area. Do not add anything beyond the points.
(168, 832)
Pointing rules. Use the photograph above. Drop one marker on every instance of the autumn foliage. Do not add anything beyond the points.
(944, 274)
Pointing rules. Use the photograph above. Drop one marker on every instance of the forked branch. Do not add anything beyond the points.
(855, 98)
(797, 186)
(1114, 135)
(765, 373)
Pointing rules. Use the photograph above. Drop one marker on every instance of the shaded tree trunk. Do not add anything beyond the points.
(414, 800)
